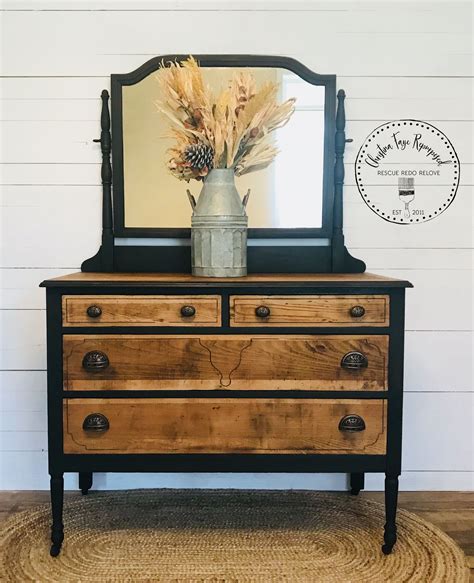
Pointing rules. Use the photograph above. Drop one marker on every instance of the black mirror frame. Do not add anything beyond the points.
(327, 81)
(331, 256)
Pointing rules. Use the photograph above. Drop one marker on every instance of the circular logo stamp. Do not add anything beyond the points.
(407, 171)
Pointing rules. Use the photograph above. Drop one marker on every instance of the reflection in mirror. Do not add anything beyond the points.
(286, 194)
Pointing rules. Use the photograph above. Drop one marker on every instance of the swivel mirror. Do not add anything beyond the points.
(295, 204)
(153, 198)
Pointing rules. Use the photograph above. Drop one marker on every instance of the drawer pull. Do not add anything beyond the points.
(352, 423)
(94, 311)
(357, 311)
(188, 311)
(95, 361)
(96, 422)
(262, 311)
(354, 361)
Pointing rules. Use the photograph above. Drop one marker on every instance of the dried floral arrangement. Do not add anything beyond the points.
(229, 130)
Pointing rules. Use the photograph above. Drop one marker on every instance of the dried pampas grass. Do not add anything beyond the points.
(229, 130)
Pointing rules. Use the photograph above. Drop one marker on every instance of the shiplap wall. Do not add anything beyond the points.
(395, 60)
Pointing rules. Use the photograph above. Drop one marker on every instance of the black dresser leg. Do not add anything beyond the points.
(357, 483)
(391, 496)
(85, 482)
(57, 529)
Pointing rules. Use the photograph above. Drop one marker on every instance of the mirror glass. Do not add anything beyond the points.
(286, 194)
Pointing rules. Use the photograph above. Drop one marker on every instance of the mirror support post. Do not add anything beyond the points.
(103, 261)
(339, 146)
(342, 261)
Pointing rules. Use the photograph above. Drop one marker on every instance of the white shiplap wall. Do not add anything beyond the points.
(395, 60)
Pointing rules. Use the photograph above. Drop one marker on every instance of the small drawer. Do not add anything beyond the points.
(141, 311)
(304, 311)
(218, 425)
(228, 361)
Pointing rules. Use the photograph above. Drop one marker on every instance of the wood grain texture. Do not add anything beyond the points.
(238, 362)
(53, 218)
(225, 426)
(141, 310)
(309, 310)
(175, 278)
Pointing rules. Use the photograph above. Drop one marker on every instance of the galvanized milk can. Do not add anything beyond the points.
(219, 227)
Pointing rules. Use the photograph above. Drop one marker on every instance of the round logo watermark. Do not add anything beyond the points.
(407, 171)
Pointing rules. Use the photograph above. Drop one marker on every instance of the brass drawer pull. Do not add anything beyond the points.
(96, 422)
(94, 311)
(262, 312)
(354, 361)
(357, 311)
(352, 423)
(188, 311)
(95, 361)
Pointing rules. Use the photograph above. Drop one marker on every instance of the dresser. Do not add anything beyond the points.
(264, 373)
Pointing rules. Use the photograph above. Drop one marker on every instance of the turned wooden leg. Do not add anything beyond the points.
(57, 528)
(391, 496)
(357, 483)
(85, 482)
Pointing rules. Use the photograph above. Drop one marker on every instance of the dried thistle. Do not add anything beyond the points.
(234, 125)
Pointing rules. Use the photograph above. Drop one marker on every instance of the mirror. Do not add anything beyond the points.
(288, 194)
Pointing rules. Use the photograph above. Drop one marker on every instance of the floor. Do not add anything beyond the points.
(453, 512)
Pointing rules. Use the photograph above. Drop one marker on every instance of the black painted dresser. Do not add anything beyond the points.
(266, 373)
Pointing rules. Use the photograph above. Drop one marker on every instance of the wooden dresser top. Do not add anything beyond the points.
(80, 279)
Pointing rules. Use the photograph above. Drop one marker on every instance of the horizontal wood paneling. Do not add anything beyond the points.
(412, 62)
(33, 474)
(59, 108)
(426, 446)
(66, 142)
(23, 346)
(20, 292)
(67, 220)
(423, 52)
(424, 370)
(450, 454)
(88, 174)
(429, 445)
(438, 360)
(22, 340)
(439, 93)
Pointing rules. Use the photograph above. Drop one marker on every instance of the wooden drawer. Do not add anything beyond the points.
(238, 362)
(360, 310)
(225, 426)
(141, 310)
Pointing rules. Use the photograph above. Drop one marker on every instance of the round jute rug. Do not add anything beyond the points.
(220, 536)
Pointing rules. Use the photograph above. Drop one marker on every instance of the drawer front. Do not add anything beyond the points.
(303, 311)
(237, 362)
(141, 311)
(225, 426)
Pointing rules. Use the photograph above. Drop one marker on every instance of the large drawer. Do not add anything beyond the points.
(225, 426)
(141, 310)
(238, 362)
(304, 311)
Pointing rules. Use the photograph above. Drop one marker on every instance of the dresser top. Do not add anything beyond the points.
(152, 279)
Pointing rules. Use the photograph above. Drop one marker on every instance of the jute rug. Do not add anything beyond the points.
(220, 536)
